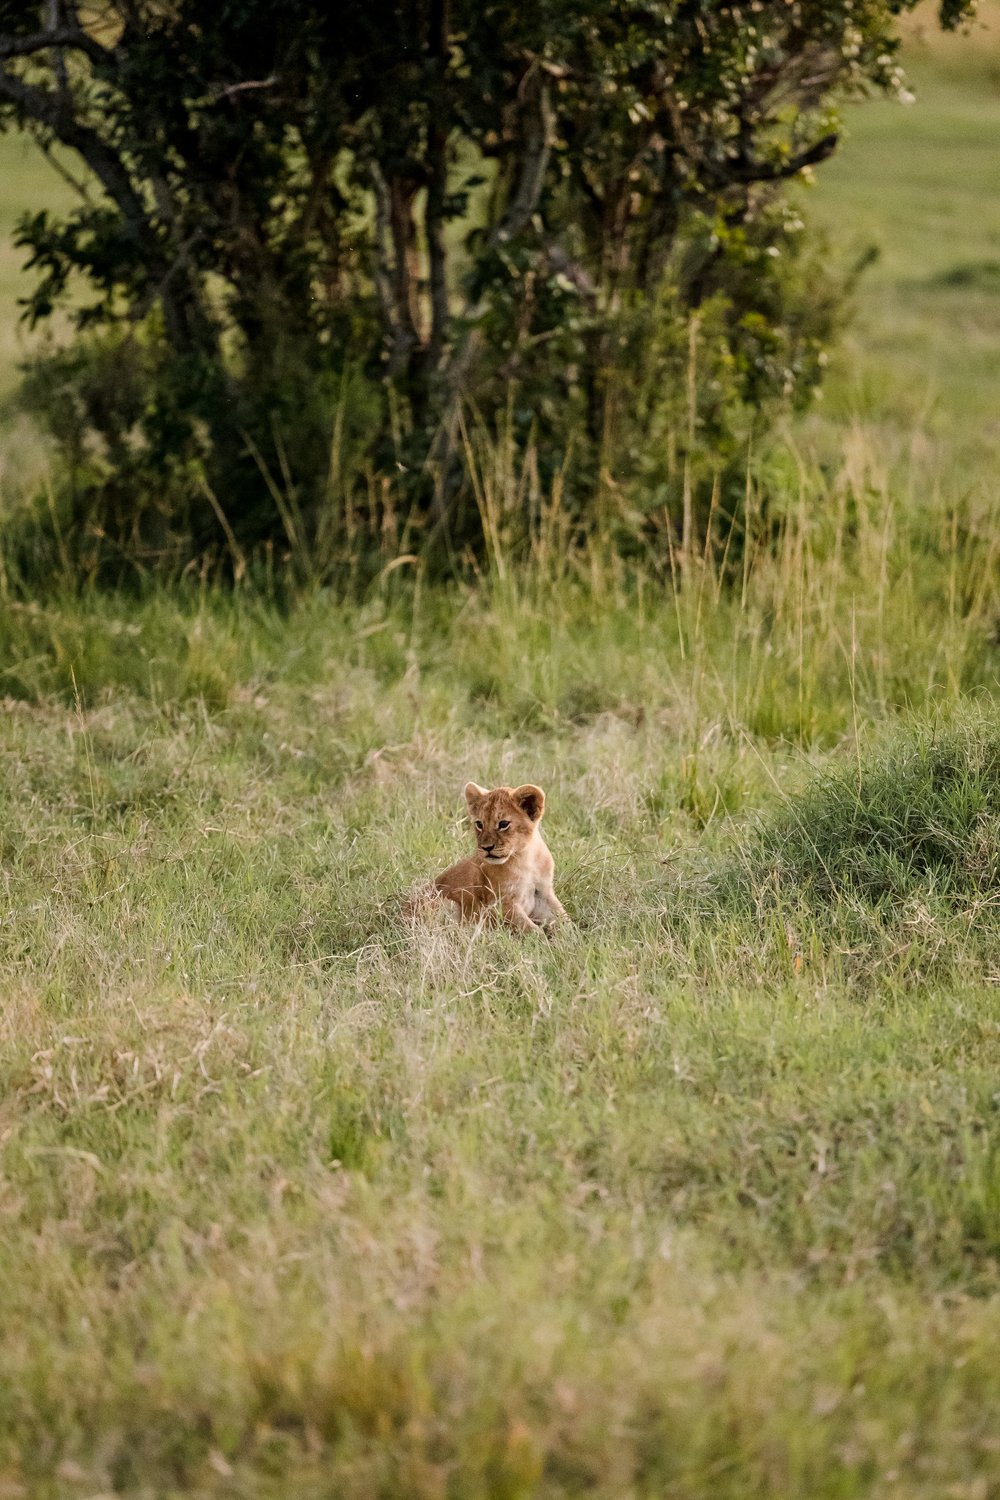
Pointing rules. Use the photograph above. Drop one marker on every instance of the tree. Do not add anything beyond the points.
(388, 208)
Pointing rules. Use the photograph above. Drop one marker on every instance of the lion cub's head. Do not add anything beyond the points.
(504, 819)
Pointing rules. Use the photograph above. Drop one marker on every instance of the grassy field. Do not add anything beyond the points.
(699, 1200)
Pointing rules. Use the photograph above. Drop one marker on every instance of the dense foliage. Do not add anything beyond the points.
(314, 239)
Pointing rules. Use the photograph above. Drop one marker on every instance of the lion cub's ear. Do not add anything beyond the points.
(532, 800)
(474, 794)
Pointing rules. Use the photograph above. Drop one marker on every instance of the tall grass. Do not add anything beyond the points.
(837, 601)
(699, 1199)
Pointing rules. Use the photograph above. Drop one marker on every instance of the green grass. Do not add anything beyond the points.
(699, 1199)
(693, 1200)
(921, 185)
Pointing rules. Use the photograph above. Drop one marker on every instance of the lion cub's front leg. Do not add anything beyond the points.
(514, 915)
(547, 910)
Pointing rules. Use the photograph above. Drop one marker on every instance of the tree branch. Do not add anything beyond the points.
(72, 37)
(52, 111)
(186, 320)
(78, 184)
(436, 251)
(59, 53)
(537, 145)
(382, 269)
(744, 170)
(229, 90)
(437, 182)
(402, 230)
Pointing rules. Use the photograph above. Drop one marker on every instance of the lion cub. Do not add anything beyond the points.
(509, 878)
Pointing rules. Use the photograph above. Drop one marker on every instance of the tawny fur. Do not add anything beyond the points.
(509, 878)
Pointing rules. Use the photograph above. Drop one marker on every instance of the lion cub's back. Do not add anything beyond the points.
(464, 884)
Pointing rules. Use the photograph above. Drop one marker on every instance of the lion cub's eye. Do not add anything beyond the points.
(479, 825)
(505, 824)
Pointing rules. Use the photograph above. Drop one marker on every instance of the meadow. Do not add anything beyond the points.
(701, 1198)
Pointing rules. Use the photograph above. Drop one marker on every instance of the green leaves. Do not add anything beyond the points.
(466, 202)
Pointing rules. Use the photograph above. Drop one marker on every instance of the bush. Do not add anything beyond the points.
(379, 219)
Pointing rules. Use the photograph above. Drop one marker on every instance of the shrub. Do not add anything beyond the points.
(377, 216)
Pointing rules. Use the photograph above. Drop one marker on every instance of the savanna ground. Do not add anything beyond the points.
(701, 1198)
